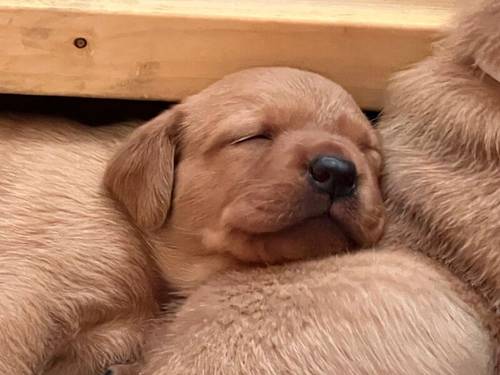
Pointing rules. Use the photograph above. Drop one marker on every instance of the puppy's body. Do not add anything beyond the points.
(75, 283)
(442, 130)
(455, 220)
(375, 312)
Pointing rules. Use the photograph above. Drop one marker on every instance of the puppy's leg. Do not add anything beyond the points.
(119, 341)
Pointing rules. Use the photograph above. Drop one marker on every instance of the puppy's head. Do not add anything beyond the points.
(265, 165)
(476, 39)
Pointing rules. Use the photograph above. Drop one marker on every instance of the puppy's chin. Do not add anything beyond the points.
(271, 231)
(311, 238)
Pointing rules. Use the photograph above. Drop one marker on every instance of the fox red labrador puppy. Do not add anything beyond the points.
(264, 166)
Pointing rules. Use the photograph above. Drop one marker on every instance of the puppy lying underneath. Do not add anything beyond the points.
(265, 166)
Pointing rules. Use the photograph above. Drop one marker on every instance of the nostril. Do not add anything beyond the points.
(319, 173)
(333, 175)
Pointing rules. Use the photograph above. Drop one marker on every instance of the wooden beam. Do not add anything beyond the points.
(152, 49)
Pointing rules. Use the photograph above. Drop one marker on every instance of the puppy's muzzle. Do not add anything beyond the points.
(333, 175)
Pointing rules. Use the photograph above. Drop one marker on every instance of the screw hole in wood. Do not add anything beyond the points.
(80, 42)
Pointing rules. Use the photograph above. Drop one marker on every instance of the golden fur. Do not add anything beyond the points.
(76, 279)
(443, 119)
(374, 312)
(82, 246)
(427, 299)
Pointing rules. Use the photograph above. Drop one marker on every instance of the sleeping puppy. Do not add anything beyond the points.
(427, 300)
(265, 166)
(270, 165)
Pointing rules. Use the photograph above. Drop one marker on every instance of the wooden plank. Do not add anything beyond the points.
(167, 49)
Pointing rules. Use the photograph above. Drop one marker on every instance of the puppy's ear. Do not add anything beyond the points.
(141, 174)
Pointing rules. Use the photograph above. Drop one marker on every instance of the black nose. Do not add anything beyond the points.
(333, 175)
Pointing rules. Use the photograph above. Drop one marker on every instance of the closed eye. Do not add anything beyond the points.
(254, 137)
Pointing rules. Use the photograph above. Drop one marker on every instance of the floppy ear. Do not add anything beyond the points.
(141, 174)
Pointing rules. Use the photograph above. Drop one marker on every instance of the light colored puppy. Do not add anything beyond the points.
(265, 166)
(427, 300)
(442, 131)
(76, 281)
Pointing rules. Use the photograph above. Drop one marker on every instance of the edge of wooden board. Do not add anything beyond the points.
(169, 56)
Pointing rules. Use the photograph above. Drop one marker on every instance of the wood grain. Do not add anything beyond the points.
(167, 49)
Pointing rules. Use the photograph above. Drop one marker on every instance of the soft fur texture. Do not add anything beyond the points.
(76, 280)
(427, 300)
(82, 247)
(442, 130)
(377, 312)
